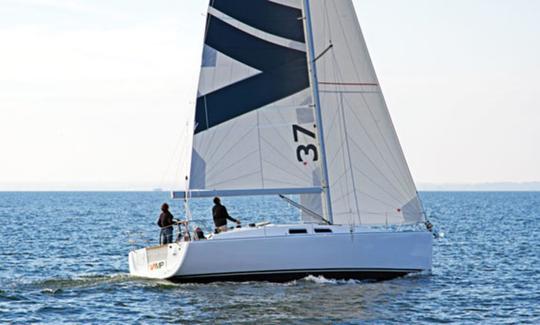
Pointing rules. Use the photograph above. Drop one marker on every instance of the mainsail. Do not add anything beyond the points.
(253, 106)
(255, 122)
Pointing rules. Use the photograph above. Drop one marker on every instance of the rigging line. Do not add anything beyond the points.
(169, 165)
(232, 164)
(206, 141)
(349, 156)
(226, 152)
(177, 174)
(208, 17)
(332, 124)
(185, 153)
(323, 53)
(304, 209)
(378, 169)
(400, 162)
(341, 152)
(280, 153)
(381, 155)
(389, 121)
(331, 127)
(260, 149)
(370, 138)
(338, 71)
(396, 187)
(370, 64)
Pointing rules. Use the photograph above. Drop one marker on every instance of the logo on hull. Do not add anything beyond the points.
(156, 265)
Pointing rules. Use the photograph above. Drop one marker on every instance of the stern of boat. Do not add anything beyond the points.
(157, 262)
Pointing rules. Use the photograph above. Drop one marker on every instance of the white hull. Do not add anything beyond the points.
(273, 253)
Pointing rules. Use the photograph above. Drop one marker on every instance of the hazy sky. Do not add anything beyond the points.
(93, 94)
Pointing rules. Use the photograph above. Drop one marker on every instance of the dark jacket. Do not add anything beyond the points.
(165, 219)
(220, 214)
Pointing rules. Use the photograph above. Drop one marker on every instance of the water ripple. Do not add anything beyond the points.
(70, 265)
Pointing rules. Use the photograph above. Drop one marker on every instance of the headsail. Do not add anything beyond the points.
(369, 179)
(253, 107)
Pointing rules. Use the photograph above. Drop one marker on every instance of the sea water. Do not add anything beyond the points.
(63, 259)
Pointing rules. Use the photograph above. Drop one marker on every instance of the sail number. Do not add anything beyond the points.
(303, 151)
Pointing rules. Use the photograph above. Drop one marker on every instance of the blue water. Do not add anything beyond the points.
(63, 258)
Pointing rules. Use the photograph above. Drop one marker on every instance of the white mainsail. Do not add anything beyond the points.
(253, 91)
(255, 119)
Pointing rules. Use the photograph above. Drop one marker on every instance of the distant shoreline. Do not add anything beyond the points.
(420, 189)
(481, 187)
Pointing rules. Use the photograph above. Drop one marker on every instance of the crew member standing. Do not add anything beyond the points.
(166, 223)
(220, 214)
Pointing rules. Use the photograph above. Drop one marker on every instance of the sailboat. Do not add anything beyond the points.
(289, 106)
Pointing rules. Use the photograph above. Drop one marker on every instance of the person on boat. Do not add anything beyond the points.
(165, 222)
(199, 234)
(220, 214)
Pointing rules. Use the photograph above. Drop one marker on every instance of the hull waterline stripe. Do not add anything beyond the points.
(288, 275)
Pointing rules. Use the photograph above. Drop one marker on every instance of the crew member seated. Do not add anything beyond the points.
(220, 214)
(198, 234)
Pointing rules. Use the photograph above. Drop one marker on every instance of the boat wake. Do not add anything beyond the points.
(53, 286)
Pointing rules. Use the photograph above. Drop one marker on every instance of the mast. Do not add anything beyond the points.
(317, 102)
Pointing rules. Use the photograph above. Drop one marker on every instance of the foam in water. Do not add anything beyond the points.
(322, 280)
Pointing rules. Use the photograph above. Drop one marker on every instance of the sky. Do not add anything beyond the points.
(94, 94)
